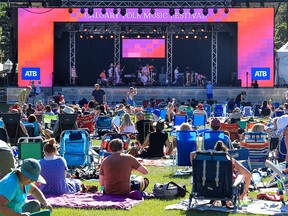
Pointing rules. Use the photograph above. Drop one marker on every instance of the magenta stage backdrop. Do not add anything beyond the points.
(36, 37)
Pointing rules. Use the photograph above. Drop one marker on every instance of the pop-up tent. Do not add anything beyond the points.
(281, 76)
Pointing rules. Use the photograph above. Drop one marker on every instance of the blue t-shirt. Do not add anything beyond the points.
(11, 190)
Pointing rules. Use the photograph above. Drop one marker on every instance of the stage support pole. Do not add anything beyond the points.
(72, 54)
(116, 48)
(214, 43)
(169, 68)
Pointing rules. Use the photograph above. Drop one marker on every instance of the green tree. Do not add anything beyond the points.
(281, 36)
(4, 31)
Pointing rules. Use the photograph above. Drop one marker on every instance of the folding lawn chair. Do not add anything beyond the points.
(163, 113)
(4, 135)
(103, 125)
(186, 143)
(12, 125)
(49, 120)
(210, 138)
(30, 147)
(67, 121)
(232, 129)
(247, 111)
(75, 147)
(207, 108)
(198, 120)
(213, 178)
(258, 146)
(218, 110)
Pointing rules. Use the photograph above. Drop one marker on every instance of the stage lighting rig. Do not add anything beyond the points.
(90, 11)
(215, 10)
(183, 29)
(171, 11)
(103, 10)
(181, 11)
(70, 10)
(152, 11)
(82, 10)
(115, 11)
(139, 10)
(205, 11)
(226, 10)
(191, 10)
(123, 11)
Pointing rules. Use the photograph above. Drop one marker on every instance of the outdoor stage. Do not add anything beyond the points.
(76, 93)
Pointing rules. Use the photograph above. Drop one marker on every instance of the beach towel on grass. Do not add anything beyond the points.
(92, 201)
(156, 162)
(255, 207)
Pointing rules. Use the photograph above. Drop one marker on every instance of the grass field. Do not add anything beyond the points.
(148, 207)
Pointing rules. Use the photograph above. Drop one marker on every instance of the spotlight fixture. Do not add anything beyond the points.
(82, 10)
(101, 36)
(183, 29)
(90, 11)
(215, 10)
(91, 36)
(195, 36)
(130, 29)
(163, 36)
(138, 36)
(193, 30)
(171, 11)
(155, 29)
(152, 11)
(106, 28)
(81, 36)
(95, 29)
(122, 36)
(85, 29)
(176, 36)
(262, 4)
(70, 10)
(226, 10)
(103, 10)
(202, 29)
(205, 11)
(148, 36)
(191, 10)
(186, 36)
(139, 10)
(181, 11)
(111, 36)
(123, 11)
(206, 36)
(115, 11)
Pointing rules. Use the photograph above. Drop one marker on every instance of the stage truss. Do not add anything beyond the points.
(132, 30)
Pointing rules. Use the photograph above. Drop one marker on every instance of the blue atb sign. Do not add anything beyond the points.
(260, 73)
(30, 73)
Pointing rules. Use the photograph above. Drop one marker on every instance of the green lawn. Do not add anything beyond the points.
(148, 207)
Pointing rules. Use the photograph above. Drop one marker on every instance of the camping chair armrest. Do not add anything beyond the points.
(238, 180)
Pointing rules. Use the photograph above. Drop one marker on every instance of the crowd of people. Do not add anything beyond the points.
(151, 134)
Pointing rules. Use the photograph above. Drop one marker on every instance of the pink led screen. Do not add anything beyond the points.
(143, 48)
(254, 40)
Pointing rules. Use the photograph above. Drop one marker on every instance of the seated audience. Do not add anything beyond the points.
(143, 127)
(54, 170)
(235, 116)
(30, 110)
(265, 111)
(258, 127)
(154, 142)
(37, 126)
(127, 126)
(183, 127)
(17, 185)
(115, 170)
(170, 112)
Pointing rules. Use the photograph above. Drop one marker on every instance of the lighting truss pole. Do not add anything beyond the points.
(169, 58)
(117, 39)
(214, 56)
(72, 54)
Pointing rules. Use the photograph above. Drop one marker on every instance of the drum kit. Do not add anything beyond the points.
(147, 74)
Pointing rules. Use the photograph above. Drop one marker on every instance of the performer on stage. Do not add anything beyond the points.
(176, 73)
(73, 75)
(130, 96)
(110, 74)
(145, 70)
(188, 76)
(117, 73)
(104, 80)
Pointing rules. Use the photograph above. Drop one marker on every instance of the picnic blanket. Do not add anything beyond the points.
(92, 201)
(156, 162)
(253, 207)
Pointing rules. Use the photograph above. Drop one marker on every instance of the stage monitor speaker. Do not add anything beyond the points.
(162, 78)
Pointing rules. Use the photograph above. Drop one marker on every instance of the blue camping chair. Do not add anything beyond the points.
(218, 110)
(75, 147)
(207, 108)
(179, 119)
(241, 155)
(210, 138)
(103, 125)
(247, 111)
(213, 178)
(279, 113)
(186, 143)
(163, 113)
(198, 120)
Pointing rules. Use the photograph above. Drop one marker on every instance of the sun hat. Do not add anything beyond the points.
(282, 122)
(160, 124)
(237, 109)
(68, 110)
(31, 169)
(215, 122)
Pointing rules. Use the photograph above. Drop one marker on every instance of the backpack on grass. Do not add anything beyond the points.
(169, 190)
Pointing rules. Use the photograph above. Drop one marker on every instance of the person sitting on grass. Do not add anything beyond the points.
(115, 171)
(54, 170)
(154, 142)
(15, 187)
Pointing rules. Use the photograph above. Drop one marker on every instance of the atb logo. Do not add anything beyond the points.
(30, 73)
(260, 73)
